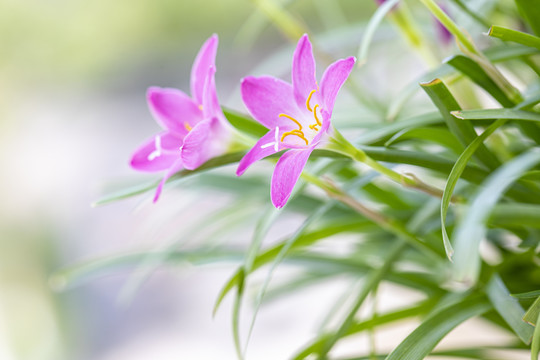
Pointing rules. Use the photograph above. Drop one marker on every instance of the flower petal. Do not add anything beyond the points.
(286, 174)
(205, 58)
(332, 80)
(175, 167)
(151, 159)
(173, 109)
(267, 97)
(208, 139)
(261, 150)
(210, 102)
(303, 71)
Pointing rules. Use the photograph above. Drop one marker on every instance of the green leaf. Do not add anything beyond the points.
(530, 10)
(437, 135)
(454, 176)
(494, 54)
(476, 73)
(425, 337)
(532, 313)
(382, 319)
(516, 215)
(382, 131)
(527, 295)
(372, 26)
(508, 308)
(245, 123)
(514, 35)
(140, 189)
(262, 228)
(472, 228)
(369, 285)
(304, 240)
(491, 114)
(77, 274)
(464, 132)
(535, 347)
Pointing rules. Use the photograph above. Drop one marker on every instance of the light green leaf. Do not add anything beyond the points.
(491, 114)
(454, 176)
(140, 189)
(472, 228)
(527, 295)
(425, 337)
(514, 35)
(509, 308)
(372, 26)
(532, 313)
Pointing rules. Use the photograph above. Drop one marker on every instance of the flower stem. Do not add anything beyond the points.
(450, 25)
(341, 145)
(391, 225)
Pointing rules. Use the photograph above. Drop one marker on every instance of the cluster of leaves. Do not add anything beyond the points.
(487, 160)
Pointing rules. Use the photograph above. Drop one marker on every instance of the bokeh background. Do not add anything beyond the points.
(73, 77)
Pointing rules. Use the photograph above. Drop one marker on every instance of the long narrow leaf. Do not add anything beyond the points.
(454, 176)
(426, 336)
(471, 230)
(509, 308)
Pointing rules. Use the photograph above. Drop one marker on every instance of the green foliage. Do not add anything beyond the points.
(390, 190)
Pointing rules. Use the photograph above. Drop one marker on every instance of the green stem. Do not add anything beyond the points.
(341, 145)
(450, 25)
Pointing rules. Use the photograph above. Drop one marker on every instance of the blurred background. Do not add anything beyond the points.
(73, 77)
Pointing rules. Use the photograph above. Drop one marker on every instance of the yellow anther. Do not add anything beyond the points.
(298, 133)
(314, 127)
(187, 126)
(315, 115)
(309, 98)
(200, 107)
(293, 119)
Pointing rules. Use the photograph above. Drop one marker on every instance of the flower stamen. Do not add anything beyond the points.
(187, 126)
(293, 119)
(295, 132)
(309, 99)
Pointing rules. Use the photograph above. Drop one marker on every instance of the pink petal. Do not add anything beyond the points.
(257, 152)
(266, 98)
(332, 80)
(143, 161)
(207, 140)
(204, 60)
(173, 109)
(286, 174)
(303, 71)
(175, 167)
(210, 100)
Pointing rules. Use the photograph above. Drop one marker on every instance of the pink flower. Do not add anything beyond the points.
(297, 115)
(195, 128)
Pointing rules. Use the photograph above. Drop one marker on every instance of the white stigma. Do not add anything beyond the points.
(275, 143)
(156, 153)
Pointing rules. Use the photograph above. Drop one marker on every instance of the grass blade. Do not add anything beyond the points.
(372, 26)
(508, 308)
(491, 114)
(464, 132)
(471, 230)
(532, 313)
(514, 36)
(454, 176)
(426, 336)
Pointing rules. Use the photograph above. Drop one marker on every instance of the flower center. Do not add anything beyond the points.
(299, 132)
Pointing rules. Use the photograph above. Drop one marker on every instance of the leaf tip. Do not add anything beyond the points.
(431, 83)
(457, 114)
